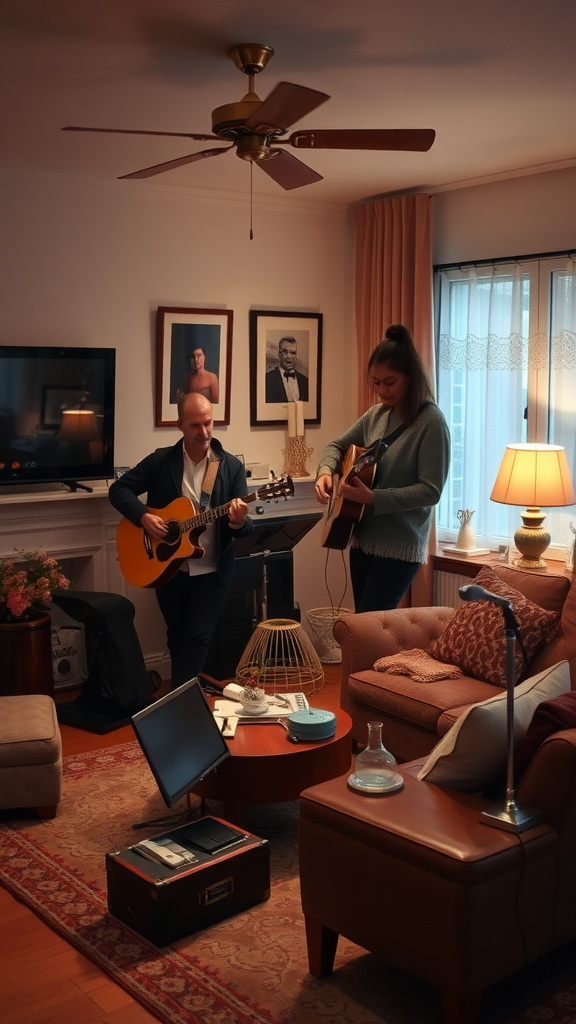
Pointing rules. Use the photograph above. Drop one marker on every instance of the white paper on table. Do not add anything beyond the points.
(278, 705)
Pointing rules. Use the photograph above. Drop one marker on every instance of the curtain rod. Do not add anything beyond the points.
(505, 259)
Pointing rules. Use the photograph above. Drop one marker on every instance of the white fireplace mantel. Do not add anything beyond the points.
(78, 528)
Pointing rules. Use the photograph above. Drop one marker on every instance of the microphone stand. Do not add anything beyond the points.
(506, 814)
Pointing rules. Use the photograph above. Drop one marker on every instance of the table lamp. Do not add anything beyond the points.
(533, 475)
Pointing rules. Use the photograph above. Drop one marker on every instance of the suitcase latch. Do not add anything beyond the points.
(218, 891)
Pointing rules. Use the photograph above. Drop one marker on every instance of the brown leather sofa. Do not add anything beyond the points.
(415, 715)
(416, 878)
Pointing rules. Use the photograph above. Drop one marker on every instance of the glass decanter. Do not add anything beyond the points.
(374, 767)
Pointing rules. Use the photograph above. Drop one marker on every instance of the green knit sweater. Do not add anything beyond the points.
(409, 479)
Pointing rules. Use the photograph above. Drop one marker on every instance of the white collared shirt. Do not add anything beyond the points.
(291, 387)
(192, 480)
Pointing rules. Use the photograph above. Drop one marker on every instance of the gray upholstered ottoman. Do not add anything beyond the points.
(30, 753)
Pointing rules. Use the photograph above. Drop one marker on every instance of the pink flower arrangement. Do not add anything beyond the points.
(27, 582)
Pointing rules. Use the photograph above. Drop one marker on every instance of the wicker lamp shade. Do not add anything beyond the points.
(280, 657)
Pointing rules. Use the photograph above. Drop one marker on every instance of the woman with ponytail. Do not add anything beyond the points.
(390, 540)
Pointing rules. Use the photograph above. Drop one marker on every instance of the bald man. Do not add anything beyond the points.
(192, 600)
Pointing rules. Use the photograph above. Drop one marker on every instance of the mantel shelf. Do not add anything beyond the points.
(20, 496)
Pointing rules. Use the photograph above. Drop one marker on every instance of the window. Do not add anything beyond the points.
(506, 356)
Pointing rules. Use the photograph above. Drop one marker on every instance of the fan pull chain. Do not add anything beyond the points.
(251, 173)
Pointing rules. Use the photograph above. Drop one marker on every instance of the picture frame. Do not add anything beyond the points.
(182, 331)
(268, 400)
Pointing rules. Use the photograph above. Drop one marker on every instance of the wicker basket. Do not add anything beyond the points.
(321, 622)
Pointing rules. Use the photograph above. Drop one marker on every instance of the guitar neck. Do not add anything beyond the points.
(211, 514)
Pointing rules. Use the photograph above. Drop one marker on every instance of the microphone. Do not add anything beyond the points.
(472, 592)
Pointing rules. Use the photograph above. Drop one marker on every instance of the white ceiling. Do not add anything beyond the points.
(496, 79)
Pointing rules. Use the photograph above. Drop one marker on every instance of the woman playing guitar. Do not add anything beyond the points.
(389, 539)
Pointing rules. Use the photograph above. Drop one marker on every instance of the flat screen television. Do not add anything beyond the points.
(56, 414)
(180, 740)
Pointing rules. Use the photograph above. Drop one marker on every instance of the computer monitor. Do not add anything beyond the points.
(180, 740)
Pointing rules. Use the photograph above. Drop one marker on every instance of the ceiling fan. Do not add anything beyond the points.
(254, 128)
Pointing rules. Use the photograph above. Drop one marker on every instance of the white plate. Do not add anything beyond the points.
(396, 783)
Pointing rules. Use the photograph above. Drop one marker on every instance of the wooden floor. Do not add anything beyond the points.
(44, 979)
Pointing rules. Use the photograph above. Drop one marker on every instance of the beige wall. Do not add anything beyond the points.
(531, 214)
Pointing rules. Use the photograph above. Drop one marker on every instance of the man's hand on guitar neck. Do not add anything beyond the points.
(238, 513)
(154, 525)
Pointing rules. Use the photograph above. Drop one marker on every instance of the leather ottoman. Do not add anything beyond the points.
(415, 878)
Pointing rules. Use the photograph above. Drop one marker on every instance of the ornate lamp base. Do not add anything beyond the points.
(295, 456)
(532, 539)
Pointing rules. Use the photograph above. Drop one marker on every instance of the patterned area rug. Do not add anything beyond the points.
(249, 969)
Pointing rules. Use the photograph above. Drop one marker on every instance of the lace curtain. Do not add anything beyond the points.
(506, 373)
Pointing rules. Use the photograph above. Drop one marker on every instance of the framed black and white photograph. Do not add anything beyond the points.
(193, 354)
(285, 366)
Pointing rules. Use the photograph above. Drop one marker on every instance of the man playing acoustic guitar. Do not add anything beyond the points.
(197, 467)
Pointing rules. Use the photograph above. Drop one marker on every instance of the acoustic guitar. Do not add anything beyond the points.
(343, 514)
(147, 562)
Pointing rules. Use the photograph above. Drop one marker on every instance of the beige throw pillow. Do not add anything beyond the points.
(472, 755)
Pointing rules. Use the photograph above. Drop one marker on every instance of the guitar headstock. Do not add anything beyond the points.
(277, 489)
(368, 457)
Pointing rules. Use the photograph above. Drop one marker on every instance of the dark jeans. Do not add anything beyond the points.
(191, 606)
(379, 583)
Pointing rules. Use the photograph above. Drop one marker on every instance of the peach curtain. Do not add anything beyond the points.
(394, 286)
(393, 278)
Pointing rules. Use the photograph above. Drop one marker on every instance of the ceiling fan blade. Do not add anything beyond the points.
(408, 139)
(287, 171)
(133, 131)
(286, 104)
(168, 165)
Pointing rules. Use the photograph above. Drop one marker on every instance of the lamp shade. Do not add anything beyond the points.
(534, 475)
(78, 425)
(280, 657)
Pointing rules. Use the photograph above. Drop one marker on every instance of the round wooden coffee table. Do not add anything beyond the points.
(266, 767)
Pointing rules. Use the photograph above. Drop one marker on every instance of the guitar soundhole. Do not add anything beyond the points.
(165, 549)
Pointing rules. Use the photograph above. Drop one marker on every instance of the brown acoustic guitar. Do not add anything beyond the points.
(342, 514)
(147, 562)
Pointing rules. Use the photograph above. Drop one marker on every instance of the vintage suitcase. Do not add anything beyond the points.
(230, 873)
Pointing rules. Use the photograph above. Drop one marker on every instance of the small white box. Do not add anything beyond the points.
(258, 470)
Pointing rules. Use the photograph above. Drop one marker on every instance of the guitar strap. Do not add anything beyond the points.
(390, 438)
(208, 481)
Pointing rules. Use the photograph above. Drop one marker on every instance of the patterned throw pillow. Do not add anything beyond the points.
(474, 638)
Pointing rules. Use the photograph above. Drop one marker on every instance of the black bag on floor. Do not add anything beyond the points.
(118, 682)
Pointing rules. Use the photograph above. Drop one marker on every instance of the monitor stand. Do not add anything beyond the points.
(179, 818)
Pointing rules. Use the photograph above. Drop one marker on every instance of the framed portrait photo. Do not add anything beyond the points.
(285, 366)
(193, 353)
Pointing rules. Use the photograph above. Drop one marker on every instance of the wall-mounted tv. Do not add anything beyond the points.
(56, 414)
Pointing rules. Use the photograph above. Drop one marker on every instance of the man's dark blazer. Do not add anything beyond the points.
(160, 474)
(275, 391)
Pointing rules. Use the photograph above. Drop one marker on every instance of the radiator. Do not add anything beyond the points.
(445, 587)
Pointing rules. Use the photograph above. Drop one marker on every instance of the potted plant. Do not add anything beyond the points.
(28, 580)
